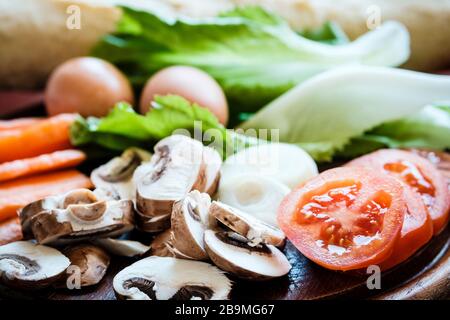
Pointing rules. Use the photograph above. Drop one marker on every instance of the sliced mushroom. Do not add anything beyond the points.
(124, 248)
(74, 197)
(162, 246)
(231, 252)
(152, 224)
(189, 221)
(114, 179)
(165, 278)
(255, 230)
(25, 265)
(176, 168)
(213, 163)
(92, 262)
(80, 222)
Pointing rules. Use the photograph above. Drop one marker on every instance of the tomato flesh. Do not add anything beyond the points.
(414, 177)
(346, 218)
(417, 230)
(419, 174)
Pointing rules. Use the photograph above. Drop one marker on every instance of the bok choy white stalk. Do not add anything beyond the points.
(324, 113)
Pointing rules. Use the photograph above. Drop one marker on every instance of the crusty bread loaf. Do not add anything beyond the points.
(34, 37)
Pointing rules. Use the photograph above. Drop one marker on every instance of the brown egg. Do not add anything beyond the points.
(191, 83)
(87, 85)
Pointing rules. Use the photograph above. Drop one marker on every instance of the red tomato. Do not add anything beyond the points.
(417, 230)
(345, 218)
(420, 174)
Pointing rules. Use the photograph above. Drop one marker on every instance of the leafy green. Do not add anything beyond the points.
(330, 33)
(123, 127)
(253, 54)
(429, 128)
(360, 109)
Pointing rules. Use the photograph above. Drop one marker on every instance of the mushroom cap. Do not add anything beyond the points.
(113, 180)
(162, 246)
(76, 196)
(250, 227)
(164, 278)
(67, 225)
(176, 168)
(92, 261)
(25, 265)
(231, 253)
(124, 248)
(189, 221)
(152, 224)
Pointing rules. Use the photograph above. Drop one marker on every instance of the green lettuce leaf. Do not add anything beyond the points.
(123, 127)
(428, 128)
(254, 55)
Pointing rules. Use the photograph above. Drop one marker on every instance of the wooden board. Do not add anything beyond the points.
(424, 276)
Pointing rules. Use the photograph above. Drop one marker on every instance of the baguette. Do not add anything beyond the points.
(35, 38)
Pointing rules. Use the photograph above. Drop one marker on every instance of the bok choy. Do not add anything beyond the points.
(358, 109)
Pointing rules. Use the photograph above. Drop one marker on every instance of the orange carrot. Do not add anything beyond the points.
(46, 162)
(17, 193)
(18, 123)
(43, 137)
(10, 230)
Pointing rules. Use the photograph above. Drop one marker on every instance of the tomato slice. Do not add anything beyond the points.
(420, 174)
(345, 218)
(417, 230)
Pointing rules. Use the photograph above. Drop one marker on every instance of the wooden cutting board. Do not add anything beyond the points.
(426, 275)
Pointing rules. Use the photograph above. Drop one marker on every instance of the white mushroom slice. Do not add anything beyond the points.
(176, 168)
(256, 195)
(189, 221)
(78, 222)
(152, 224)
(124, 248)
(92, 262)
(255, 230)
(213, 163)
(25, 265)
(113, 180)
(283, 162)
(165, 278)
(74, 197)
(230, 252)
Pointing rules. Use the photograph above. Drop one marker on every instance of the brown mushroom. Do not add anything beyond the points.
(69, 225)
(121, 247)
(74, 197)
(255, 230)
(113, 180)
(189, 222)
(24, 265)
(176, 168)
(92, 263)
(165, 278)
(233, 253)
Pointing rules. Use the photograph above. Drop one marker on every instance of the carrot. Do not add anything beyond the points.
(46, 162)
(43, 137)
(18, 123)
(17, 193)
(10, 230)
